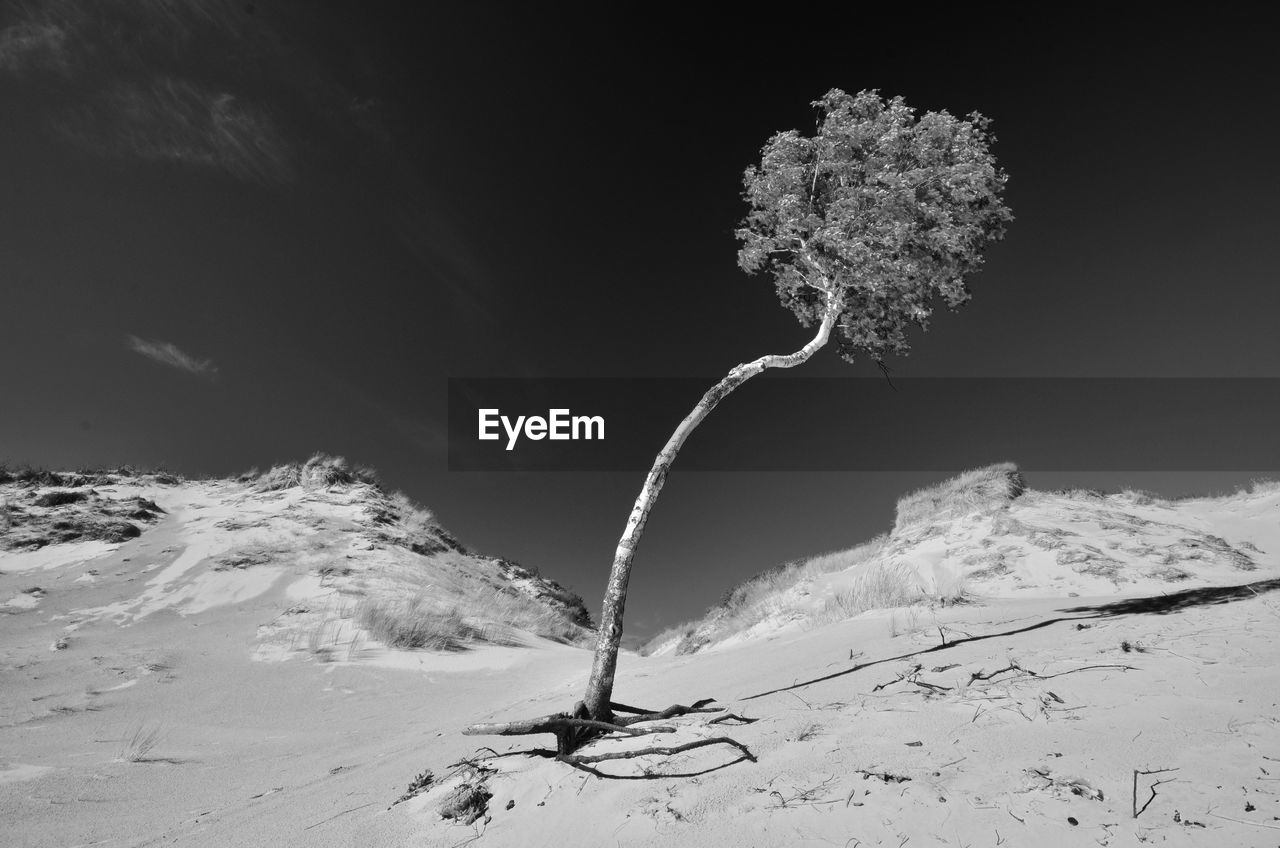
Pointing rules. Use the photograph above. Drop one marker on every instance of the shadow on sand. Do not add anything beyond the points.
(1163, 604)
(1158, 604)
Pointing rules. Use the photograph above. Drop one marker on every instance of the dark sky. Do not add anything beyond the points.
(236, 233)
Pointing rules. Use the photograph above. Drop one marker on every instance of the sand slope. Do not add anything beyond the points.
(219, 635)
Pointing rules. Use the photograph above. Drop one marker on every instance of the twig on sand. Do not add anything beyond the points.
(1246, 821)
(335, 815)
(733, 717)
(479, 829)
(1277, 612)
(912, 676)
(979, 675)
(1086, 668)
(906, 675)
(804, 796)
(1136, 810)
(933, 687)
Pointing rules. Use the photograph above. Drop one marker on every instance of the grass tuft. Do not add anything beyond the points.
(880, 587)
(475, 613)
(417, 623)
(760, 597)
(139, 741)
(986, 488)
(321, 471)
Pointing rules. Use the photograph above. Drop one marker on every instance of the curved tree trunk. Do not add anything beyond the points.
(600, 685)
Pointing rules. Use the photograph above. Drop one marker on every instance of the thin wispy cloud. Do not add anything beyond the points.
(175, 120)
(208, 84)
(32, 45)
(167, 353)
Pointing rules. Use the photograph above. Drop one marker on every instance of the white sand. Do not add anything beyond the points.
(53, 556)
(310, 749)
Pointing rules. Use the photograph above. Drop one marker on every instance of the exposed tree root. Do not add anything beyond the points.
(670, 712)
(734, 717)
(582, 761)
(573, 730)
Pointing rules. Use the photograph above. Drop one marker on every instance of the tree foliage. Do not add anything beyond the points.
(877, 215)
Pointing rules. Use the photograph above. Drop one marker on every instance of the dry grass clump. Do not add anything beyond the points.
(473, 612)
(280, 477)
(139, 741)
(881, 587)
(32, 519)
(841, 560)
(772, 582)
(324, 471)
(761, 597)
(60, 497)
(990, 487)
(321, 471)
(29, 475)
(419, 529)
(78, 528)
(417, 623)
(1263, 487)
(679, 633)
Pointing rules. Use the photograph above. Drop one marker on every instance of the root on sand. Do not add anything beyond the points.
(575, 729)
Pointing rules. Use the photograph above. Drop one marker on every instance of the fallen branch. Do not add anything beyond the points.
(1246, 821)
(1136, 811)
(343, 813)
(733, 717)
(933, 686)
(978, 675)
(665, 751)
(583, 761)
(672, 711)
(1084, 668)
(906, 675)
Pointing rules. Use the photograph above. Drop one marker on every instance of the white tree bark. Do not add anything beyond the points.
(600, 685)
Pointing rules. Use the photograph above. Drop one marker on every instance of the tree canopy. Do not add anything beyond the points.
(879, 213)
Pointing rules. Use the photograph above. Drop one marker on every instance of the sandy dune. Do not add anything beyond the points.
(151, 693)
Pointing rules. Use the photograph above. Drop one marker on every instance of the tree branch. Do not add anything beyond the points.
(1139, 811)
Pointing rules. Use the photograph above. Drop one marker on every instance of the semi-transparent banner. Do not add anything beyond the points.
(831, 424)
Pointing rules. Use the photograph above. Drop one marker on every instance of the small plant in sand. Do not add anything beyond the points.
(139, 741)
(880, 587)
(417, 786)
(416, 622)
(806, 731)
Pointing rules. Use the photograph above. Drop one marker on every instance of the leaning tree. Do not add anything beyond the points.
(863, 227)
